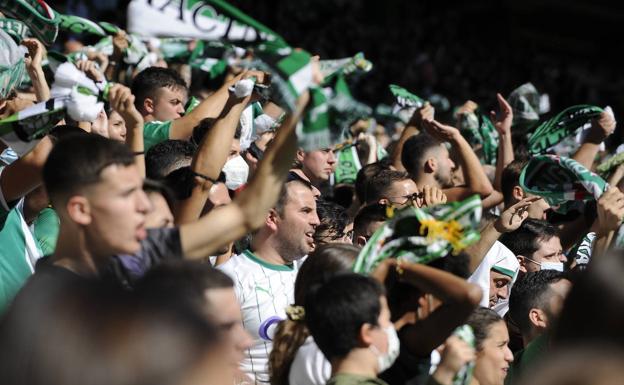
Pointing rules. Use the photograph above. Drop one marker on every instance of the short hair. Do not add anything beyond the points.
(530, 292)
(154, 186)
(168, 156)
(150, 80)
(365, 173)
(332, 216)
(181, 182)
(336, 311)
(282, 200)
(526, 239)
(481, 320)
(415, 151)
(510, 178)
(77, 161)
(184, 281)
(379, 184)
(368, 214)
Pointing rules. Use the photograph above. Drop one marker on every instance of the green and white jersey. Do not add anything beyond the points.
(263, 291)
(18, 250)
(155, 132)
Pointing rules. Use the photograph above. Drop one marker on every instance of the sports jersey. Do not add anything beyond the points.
(18, 250)
(155, 132)
(263, 291)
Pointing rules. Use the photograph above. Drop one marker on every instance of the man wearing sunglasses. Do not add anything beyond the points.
(396, 188)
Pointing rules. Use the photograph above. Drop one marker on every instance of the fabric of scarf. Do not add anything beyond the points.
(421, 235)
(42, 21)
(347, 166)
(525, 102)
(14, 28)
(478, 129)
(12, 67)
(346, 66)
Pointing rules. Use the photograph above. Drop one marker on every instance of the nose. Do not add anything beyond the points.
(508, 354)
(451, 164)
(244, 340)
(314, 220)
(503, 292)
(144, 205)
(331, 157)
(562, 258)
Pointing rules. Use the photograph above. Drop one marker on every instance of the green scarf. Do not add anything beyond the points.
(561, 181)
(605, 167)
(524, 102)
(464, 375)
(406, 99)
(421, 235)
(347, 66)
(15, 28)
(42, 21)
(12, 67)
(347, 166)
(562, 125)
(79, 25)
(478, 129)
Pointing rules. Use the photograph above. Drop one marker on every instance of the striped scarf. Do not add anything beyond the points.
(42, 21)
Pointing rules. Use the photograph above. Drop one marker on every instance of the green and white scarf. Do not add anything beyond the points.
(421, 235)
(42, 21)
(478, 129)
(562, 125)
(560, 181)
(215, 20)
(524, 102)
(12, 67)
(405, 99)
(346, 66)
(605, 167)
(464, 375)
(79, 25)
(15, 28)
(347, 166)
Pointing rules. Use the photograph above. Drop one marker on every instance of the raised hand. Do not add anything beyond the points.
(512, 217)
(89, 67)
(423, 113)
(610, 211)
(504, 120)
(442, 132)
(601, 128)
(432, 196)
(455, 355)
(122, 101)
(35, 53)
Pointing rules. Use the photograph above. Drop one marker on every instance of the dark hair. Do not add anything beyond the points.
(82, 315)
(379, 184)
(282, 200)
(368, 214)
(165, 157)
(154, 186)
(150, 80)
(593, 311)
(201, 129)
(364, 175)
(77, 161)
(184, 281)
(481, 320)
(526, 239)
(530, 292)
(333, 218)
(336, 311)
(510, 178)
(415, 151)
(324, 262)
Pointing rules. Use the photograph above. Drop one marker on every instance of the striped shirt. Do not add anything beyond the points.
(263, 291)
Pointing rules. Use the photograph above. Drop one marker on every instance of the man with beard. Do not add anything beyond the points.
(264, 275)
(427, 159)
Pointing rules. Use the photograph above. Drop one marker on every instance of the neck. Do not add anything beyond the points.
(73, 254)
(262, 246)
(148, 118)
(359, 361)
(428, 180)
(316, 182)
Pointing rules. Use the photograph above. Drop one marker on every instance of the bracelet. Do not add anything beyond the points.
(206, 177)
(136, 153)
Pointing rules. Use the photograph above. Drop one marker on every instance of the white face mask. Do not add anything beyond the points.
(385, 360)
(236, 171)
(558, 266)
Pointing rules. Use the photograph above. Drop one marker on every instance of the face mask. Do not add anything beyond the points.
(236, 171)
(557, 266)
(385, 360)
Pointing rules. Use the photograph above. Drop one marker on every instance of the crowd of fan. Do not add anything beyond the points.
(155, 245)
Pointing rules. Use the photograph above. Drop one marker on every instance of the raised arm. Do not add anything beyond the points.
(600, 129)
(477, 181)
(34, 69)
(412, 128)
(228, 223)
(210, 158)
(122, 101)
(459, 298)
(505, 146)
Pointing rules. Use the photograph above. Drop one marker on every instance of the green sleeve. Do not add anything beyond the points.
(46, 230)
(155, 132)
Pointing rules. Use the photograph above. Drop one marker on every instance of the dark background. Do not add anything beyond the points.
(460, 49)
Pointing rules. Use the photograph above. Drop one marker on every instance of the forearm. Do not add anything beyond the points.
(444, 286)
(586, 154)
(477, 251)
(42, 90)
(134, 140)
(211, 107)
(494, 199)
(475, 177)
(505, 156)
(24, 175)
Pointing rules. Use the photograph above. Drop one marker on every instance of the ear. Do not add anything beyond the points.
(538, 318)
(383, 201)
(518, 193)
(272, 220)
(79, 210)
(148, 105)
(300, 155)
(360, 240)
(431, 165)
(366, 338)
(522, 263)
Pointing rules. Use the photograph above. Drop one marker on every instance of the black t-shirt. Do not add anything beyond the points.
(125, 270)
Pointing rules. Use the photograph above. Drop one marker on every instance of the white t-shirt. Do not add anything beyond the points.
(264, 290)
(310, 367)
